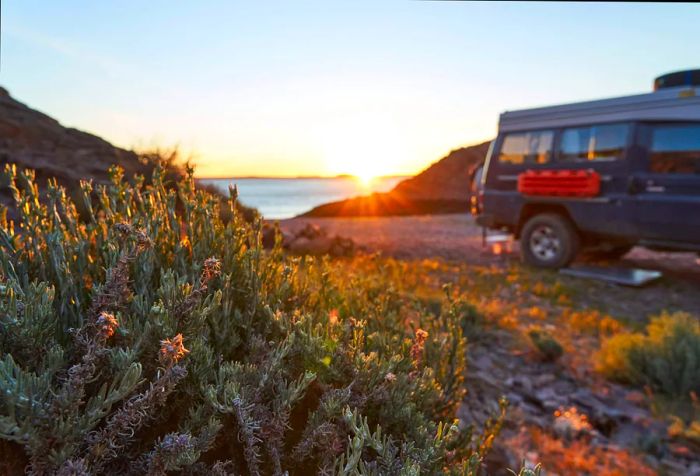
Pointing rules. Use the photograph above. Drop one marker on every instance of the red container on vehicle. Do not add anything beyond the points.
(559, 183)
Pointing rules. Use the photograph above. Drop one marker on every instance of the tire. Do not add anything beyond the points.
(549, 241)
(608, 253)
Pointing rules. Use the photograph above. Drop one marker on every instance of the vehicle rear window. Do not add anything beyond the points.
(527, 147)
(675, 149)
(593, 143)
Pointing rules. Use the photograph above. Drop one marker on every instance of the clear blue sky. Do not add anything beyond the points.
(326, 87)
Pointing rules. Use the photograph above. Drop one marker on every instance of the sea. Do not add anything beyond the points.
(279, 198)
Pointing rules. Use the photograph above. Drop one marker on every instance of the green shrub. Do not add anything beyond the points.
(546, 345)
(141, 337)
(666, 358)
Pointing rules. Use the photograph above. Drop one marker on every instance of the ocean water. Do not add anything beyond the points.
(278, 198)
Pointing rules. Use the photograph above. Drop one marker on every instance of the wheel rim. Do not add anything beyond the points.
(544, 243)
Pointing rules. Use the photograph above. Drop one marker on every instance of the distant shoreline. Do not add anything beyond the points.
(300, 177)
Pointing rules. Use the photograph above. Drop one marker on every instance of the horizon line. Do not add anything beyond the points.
(298, 177)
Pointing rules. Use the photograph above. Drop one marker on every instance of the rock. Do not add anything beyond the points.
(636, 397)
(311, 232)
(31, 139)
(671, 466)
(628, 435)
(694, 469)
(320, 245)
(268, 236)
(449, 178)
(544, 379)
(342, 246)
(514, 398)
(546, 393)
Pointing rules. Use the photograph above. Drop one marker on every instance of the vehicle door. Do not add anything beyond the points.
(667, 182)
(604, 148)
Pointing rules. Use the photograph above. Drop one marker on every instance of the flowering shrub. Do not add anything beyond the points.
(146, 335)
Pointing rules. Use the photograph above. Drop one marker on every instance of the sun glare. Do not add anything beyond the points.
(364, 147)
(365, 179)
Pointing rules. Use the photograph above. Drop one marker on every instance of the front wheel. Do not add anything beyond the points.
(549, 240)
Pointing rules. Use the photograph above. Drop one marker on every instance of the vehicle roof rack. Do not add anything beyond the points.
(690, 77)
(676, 98)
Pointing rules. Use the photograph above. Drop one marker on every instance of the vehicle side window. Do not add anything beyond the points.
(602, 142)
(527, 147)
(675, 149)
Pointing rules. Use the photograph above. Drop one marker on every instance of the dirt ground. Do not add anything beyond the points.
(458, 238)
(546, 399)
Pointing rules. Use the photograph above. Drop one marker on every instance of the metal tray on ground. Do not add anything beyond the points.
(624, 276)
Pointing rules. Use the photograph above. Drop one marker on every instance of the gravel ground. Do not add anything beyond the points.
(453, 237)
(458, 238)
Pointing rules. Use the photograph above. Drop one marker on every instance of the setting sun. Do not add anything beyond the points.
(365, 179)
(364, 146)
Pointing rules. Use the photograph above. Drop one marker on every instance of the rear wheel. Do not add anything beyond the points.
(549, 240)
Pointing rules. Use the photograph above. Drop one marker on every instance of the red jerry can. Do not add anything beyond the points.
(559, 183)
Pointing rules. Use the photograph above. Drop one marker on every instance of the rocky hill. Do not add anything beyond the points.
(34, 140)
(441, 188)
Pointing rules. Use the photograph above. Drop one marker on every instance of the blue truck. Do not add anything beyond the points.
(642, 150)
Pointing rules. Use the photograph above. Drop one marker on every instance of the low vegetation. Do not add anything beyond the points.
(146, 335)
(665, 358)
(145, 330)
(547, 347)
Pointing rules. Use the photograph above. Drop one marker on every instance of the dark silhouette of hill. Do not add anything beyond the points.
(441, 188)
(31, 139)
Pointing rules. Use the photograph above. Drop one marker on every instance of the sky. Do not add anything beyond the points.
(326, 87)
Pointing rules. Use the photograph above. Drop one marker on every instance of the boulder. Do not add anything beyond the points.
(317, 246)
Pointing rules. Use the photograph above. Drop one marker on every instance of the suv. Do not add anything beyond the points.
(601, 175)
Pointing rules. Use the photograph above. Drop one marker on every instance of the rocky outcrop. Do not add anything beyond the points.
(441, 188)
(34, 140)
(447, 179)
(310, 240)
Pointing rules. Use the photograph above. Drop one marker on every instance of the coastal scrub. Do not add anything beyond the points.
(146, 335)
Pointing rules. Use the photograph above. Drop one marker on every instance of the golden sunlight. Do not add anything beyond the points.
(365, 179)
(364, 147)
